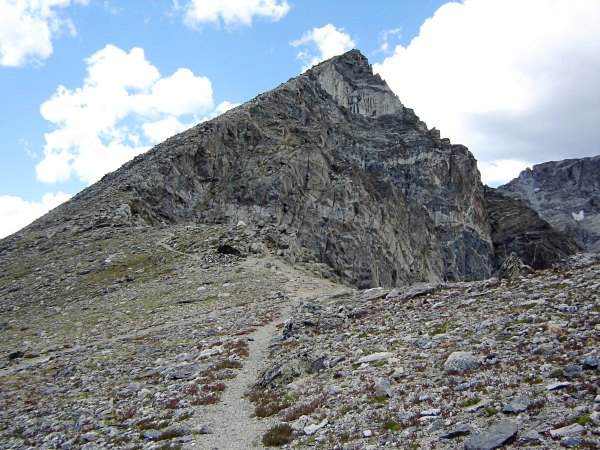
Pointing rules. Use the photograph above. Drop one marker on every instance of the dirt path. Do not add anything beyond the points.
(231, 423)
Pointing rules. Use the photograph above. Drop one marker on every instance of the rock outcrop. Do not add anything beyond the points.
(333, 169)
(518, 229)
(566, 194)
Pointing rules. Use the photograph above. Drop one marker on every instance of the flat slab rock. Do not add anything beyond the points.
(501, 433)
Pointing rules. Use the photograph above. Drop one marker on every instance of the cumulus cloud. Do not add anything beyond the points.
(27, 28)
(386, 37)
(16, 212)
(328, 41)
(123, 107)
(515, 81)
(230, 12)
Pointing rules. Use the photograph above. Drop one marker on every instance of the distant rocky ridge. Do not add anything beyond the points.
(566, 194)
(518, 229)
(332, 169)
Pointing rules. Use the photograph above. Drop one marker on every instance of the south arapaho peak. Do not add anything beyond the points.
(332, 170)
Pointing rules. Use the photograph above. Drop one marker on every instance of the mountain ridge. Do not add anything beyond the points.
(198, 296)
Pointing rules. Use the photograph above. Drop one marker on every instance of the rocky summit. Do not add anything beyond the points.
(314, 268)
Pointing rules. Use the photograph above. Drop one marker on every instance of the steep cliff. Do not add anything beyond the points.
(516, 228)
(566, 194)
(330, 166)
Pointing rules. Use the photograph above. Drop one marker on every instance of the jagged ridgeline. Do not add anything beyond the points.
(330, 166)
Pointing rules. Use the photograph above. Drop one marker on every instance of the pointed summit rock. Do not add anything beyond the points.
(350, 81)
(330, 167)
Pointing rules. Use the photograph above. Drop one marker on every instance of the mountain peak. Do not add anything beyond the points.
(349, 79)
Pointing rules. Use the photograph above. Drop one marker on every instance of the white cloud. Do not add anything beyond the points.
(231, 12)
(515, 81)
(27, 28)
(16, 212)
(500, 171)
(328, 40)
(386, 36)
(123, 107)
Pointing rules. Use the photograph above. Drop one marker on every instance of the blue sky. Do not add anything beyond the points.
(87, 84)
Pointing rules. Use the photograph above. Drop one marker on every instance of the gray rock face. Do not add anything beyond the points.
(517, 228)
(461, 361)
(331, 167)
(500, 434)
(566, 194)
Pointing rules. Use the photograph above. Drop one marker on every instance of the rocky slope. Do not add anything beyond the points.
(566, 194)
(518, 229)
(334, 168)
(197, 297)
(158, 338)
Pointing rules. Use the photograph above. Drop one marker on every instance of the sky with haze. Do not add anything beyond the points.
(86, 85)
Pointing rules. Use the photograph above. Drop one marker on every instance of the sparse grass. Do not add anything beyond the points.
(471, 402)
(209, 399)
(582, 420)
(491, 411)
(268, 402)
(378, 399)
(344, 410)
(217, 387)
(304, 409)
(228, 364)
(531, 379)
(173, 403)
(392, 425)
(152, 423)
(278, 436)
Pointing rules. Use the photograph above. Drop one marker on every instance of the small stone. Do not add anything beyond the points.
(382, 387)
(90, 436)
(309, 430)
(589, 362)
(516, 406)
(15, 355)
(399, 373)
(367, 433)
(572, 371)
(437, 424)
(571, 442)
(559, 385)
(302, 422)
(566, 308)
(418, 290)
(257, 248)
(152, 434)
(457, 431)
(374, 357)
(500, 434)
(569, 430)
(431, 412)
(460, 362)
(532, 436)
(203, 429)
(371, 294)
